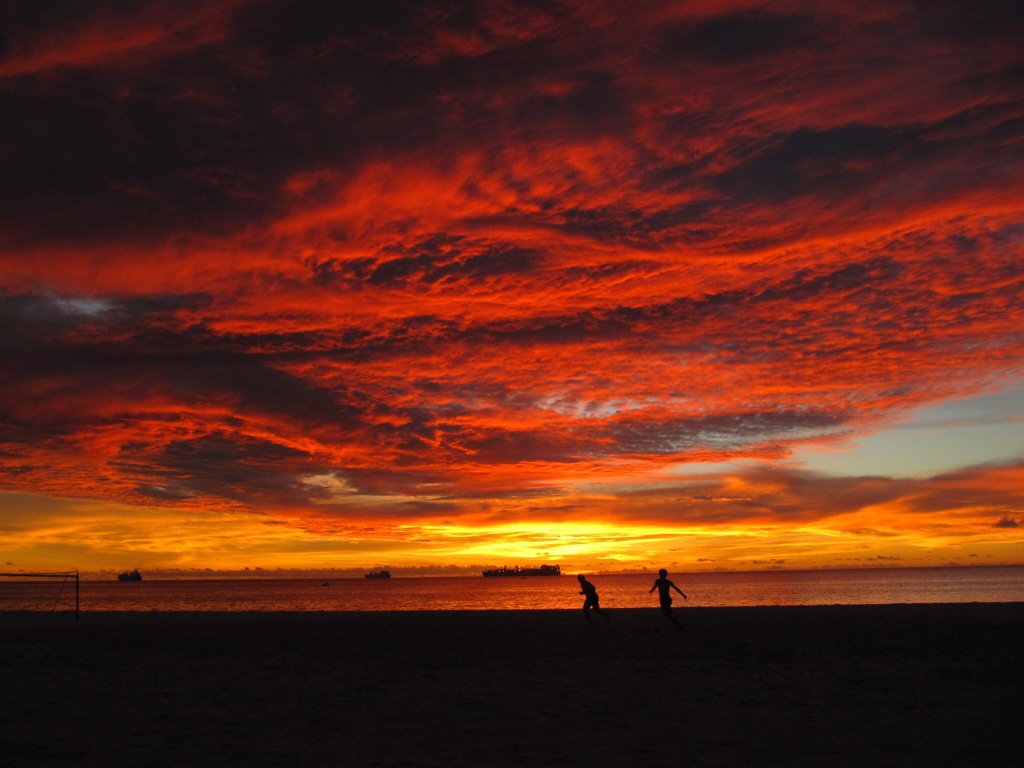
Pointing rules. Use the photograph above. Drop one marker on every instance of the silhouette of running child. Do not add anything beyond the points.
(591, 599)
(663, 585)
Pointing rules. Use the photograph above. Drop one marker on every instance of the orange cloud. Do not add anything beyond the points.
(512, 266)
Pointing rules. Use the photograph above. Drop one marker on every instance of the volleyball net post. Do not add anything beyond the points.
(65, 577)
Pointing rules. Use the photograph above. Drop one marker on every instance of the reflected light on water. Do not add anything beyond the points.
(848, 587)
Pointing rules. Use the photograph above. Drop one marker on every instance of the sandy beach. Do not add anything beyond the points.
(907, 685)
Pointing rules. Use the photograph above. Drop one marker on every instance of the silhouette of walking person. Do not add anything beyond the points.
(591, 599)
(663, 585)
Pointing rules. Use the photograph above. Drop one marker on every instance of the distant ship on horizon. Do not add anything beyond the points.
(132, 575)
(377, 575)
(544, 570)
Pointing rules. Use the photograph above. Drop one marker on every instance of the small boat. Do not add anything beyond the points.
(377, 575)
(544, 570)
(132, 575)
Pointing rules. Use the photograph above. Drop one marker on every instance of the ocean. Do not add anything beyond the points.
(989, 584)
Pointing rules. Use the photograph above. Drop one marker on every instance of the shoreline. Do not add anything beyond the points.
(10, 618)
(680, 607)
(908, 684)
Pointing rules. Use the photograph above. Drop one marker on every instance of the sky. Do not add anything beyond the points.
(291, 287)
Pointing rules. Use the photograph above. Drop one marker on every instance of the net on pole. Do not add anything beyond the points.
(40, 591)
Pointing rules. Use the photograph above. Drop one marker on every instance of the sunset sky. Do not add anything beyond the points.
(616, 285)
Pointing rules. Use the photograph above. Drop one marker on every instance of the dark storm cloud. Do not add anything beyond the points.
(46, 338)
(218, 465)
(200, 138)
(237, 382)
(971, 23)
(189, 139)
(429, 263)
(808, 283)
(742, 36)
(789, 166)
(54, 313)
(721, 432)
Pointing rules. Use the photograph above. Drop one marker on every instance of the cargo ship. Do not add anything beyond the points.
(130, 576)
(544, 570)
(377, 575)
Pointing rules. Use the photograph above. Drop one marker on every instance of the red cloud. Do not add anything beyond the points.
(415, 263)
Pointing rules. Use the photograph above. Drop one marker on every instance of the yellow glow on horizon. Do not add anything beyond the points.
(100, 537)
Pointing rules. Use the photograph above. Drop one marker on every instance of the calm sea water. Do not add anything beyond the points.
(926, 585)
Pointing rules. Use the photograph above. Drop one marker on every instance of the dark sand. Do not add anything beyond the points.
(927, 685)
